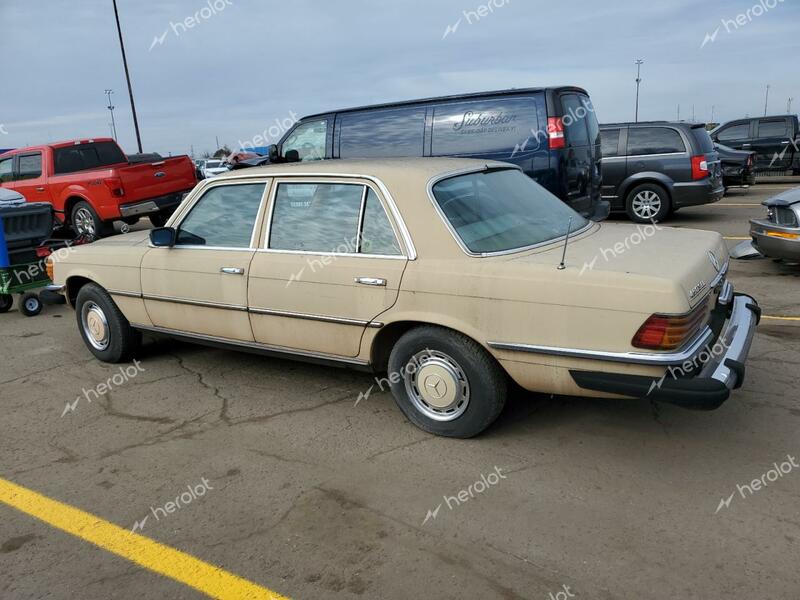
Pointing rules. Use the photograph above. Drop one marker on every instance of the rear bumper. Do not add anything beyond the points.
(152, 206)
(773, 245)
(696, 193)
(702, 382)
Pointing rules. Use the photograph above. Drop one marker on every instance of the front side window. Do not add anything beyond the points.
(307, 141)
(6, 169)
(609, 139)
(30, 166)
(224, 217)
(325, 217)
(503, 209)
(734, 132)
(654, 140)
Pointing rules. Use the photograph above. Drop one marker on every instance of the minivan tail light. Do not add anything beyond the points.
(669, 332)
(699, 167)
(115, 185)
(555, 132)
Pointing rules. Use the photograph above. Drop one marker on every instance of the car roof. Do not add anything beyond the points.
(451, 98)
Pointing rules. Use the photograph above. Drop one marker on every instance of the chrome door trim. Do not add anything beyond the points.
(311, 317)
(189, 302)
(125, 294)
(689, 351)
(253, 345)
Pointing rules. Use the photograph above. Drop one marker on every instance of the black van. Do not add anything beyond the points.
(551, 133)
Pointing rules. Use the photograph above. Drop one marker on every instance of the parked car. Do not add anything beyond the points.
(651, 169)
(213, 167)
(737, 166)
(91, 183)
(445, 273)
(775, 140)
(778, 236)
(551, 133)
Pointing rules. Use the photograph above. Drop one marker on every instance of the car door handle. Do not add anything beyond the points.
(41, 188)
(786, 142)
(746, 145)
(376, 281)
(232, 271)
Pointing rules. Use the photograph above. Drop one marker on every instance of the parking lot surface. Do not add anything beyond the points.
(272, 471)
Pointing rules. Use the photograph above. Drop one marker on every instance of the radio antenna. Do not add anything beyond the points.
(562, 266)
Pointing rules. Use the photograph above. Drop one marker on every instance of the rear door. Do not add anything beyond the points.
(579, 162)
(772, 144)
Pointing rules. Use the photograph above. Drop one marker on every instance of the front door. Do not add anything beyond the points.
(772, 144)
(330, 264)
(199, 286)
(29, 179)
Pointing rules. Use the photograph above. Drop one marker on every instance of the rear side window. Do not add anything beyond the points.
(87, 156)
(591, 120)
(654, 140)
(385, 133)
(703, 140)
(224, 217)
(574, 118)
(610, 142)
(486, 127)
(773, 128)
(6, 171)
(734, 132)
(377, 235)
(30, 166)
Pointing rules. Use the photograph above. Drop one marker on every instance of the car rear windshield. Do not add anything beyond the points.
(92, 155)
(499, 210)
(704, 143)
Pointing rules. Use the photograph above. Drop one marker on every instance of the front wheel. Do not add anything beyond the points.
(647, 203)
(445, 383)
(104, 329)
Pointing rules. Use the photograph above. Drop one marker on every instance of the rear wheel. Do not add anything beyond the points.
(647, 203)
(6, 302)
(30, 305)
(446, 383)
(86, 222)
(104, 329)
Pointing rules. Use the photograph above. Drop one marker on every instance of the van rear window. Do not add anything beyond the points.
(92, 155)
(703, 139)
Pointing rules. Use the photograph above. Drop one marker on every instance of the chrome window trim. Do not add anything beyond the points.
(675, 154)
(690, 349)
(410, 252)
(312, 317)
(252, 345)
(449, 175)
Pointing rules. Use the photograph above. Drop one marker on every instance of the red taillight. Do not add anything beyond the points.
(115, 185)
(669, 332)
(42, 251)
(699, 167)
(555, 132)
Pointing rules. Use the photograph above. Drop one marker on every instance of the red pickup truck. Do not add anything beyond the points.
(91, 183)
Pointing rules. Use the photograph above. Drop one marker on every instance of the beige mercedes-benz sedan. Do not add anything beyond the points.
(451, 276)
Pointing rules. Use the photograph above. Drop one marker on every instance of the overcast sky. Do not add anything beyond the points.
(251, 62)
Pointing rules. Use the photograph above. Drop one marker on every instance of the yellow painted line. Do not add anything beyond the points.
(781, 318)
(172, 563)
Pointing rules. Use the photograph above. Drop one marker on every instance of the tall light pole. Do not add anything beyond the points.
(111, 109)
(639, 63)
(766, 101)
(712, 112)
(789, 106)
(127, 78)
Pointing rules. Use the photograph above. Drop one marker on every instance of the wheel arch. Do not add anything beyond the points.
(651, 178)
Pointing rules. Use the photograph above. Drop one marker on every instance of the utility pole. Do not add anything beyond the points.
(789, 106)
(110, 107)
(639, 63)
(679, 113)
(766, 101)
(712, 112)
(127, 78)
(694, 119)
(216, 137)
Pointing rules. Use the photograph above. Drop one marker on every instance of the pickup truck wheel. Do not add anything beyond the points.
(647, 203)
(445, 383)
(104, 329)
(86, 222)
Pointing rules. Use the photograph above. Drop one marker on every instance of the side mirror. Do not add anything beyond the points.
(163, 237)
(272, 153)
